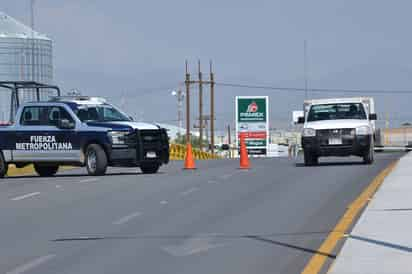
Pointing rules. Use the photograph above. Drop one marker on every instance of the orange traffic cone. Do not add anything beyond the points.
(244, 158)
(189, 160)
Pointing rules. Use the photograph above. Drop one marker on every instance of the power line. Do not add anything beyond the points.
(317, 90)
(165, 89)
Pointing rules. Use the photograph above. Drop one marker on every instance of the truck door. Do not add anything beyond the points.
(67, 143)
(32, 128)
(39, 139)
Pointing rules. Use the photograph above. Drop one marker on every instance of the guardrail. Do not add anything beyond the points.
(178, 152)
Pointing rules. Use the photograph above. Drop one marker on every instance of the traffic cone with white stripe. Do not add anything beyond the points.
(244, 157)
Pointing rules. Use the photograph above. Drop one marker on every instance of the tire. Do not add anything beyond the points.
(46, 170)
(369, 156)
(3, 166)
(96, 160)
(310, 160)
(150, 168)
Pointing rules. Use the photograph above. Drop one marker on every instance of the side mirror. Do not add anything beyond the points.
(373, 117)
(301, 120)
(65, 124)
(131, 118)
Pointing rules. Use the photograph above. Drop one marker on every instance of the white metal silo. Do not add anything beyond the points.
(25, 55)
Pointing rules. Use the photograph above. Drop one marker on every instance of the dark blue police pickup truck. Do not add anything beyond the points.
(80, 131)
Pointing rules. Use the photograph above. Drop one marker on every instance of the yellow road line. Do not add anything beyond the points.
(318, 260)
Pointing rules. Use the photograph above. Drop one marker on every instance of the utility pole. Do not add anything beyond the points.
(212, 108)
(207, 134)
(229, 141)
(305, 67)
(32, 39)
(22, 66)
(201, 119)
(187, 82)
(200, 108)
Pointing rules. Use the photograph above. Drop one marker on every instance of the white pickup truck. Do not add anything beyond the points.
(338, 127)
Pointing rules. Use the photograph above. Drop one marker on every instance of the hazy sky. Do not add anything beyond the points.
(137, 48)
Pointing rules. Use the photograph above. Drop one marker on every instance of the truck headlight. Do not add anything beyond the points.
(118, 137)
(309, 132)
(364, 130)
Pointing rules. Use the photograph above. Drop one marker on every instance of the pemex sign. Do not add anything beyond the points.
(252, 121)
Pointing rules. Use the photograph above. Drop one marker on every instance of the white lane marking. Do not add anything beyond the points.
(88, 181)
(212, 182)
(58, 186)
(163, 202)
(187, 192)
(18, 198)
(32, 264)
(226, 176)
(127, 218)
(191, 246)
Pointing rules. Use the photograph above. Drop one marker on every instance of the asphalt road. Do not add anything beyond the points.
(217, 219)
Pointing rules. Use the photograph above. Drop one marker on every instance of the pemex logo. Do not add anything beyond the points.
(252, 107)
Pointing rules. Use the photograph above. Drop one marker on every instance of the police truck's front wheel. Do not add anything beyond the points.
(3, 166)
(149, 168)
(96, 160)
(46, 170)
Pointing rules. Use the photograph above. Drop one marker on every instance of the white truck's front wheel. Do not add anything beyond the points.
(369, 156)
(310, 159)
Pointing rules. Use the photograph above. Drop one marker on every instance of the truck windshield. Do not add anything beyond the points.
(337, 112)
(100, 113)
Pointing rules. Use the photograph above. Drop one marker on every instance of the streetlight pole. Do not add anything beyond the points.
(179, 95)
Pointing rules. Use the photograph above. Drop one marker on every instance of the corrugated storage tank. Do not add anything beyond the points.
(25, 55)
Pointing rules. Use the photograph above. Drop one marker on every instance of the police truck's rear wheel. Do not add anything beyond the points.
(96, 160)
(150, 168)
(46, 170)
(3, 166)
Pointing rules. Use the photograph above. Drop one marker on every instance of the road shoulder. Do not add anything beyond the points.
(380, 241)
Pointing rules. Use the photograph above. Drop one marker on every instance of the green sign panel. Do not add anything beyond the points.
(252, 123)
(251, 109)
(256, 143)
